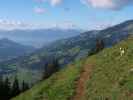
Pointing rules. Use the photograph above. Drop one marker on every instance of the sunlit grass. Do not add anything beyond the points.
(60, 86)
(111, 78)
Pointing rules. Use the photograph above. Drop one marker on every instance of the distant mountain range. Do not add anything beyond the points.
(10, 49)
(67, 50)
(38, 37)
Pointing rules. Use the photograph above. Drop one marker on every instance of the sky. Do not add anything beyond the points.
(79, 14)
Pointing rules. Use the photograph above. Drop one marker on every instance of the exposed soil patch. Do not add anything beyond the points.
(81, 83)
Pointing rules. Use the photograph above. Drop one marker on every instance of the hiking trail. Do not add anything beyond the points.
(81, 83)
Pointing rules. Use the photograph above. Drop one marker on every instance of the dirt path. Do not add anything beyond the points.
(81, 83)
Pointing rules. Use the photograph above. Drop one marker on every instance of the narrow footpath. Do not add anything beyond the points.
(81, 83)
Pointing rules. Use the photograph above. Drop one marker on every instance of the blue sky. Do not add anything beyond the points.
(83, 14)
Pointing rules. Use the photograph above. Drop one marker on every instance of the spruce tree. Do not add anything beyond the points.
(1, 87)
(15, 88)
(7, 89)
(25, 86)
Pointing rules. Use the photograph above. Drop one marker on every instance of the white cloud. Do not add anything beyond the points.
(55, 2)
(39, 10)
(102, 25)
(65, 25)
(6, 24)
(40, 1)
(11, 24)
(51, 2)
(108, 4)
(95, 24)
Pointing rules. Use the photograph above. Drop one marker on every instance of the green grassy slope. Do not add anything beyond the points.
(111, 77)
(58, 87)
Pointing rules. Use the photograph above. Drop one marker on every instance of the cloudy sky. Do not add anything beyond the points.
(84, 14)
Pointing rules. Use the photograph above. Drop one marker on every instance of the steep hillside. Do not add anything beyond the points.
(112, 74)
(110, 77)
(58, 87)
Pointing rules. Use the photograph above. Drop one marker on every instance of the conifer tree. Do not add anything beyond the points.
(25, 86)
(1, 87)
(7, 89)
(15, 88)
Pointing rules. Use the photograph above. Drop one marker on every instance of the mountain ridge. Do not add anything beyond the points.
(38, 37)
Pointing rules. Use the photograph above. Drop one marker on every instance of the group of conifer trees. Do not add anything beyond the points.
(100, 45)
(50, 68)
(9, 90)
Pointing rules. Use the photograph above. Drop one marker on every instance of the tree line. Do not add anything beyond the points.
(9, 90)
